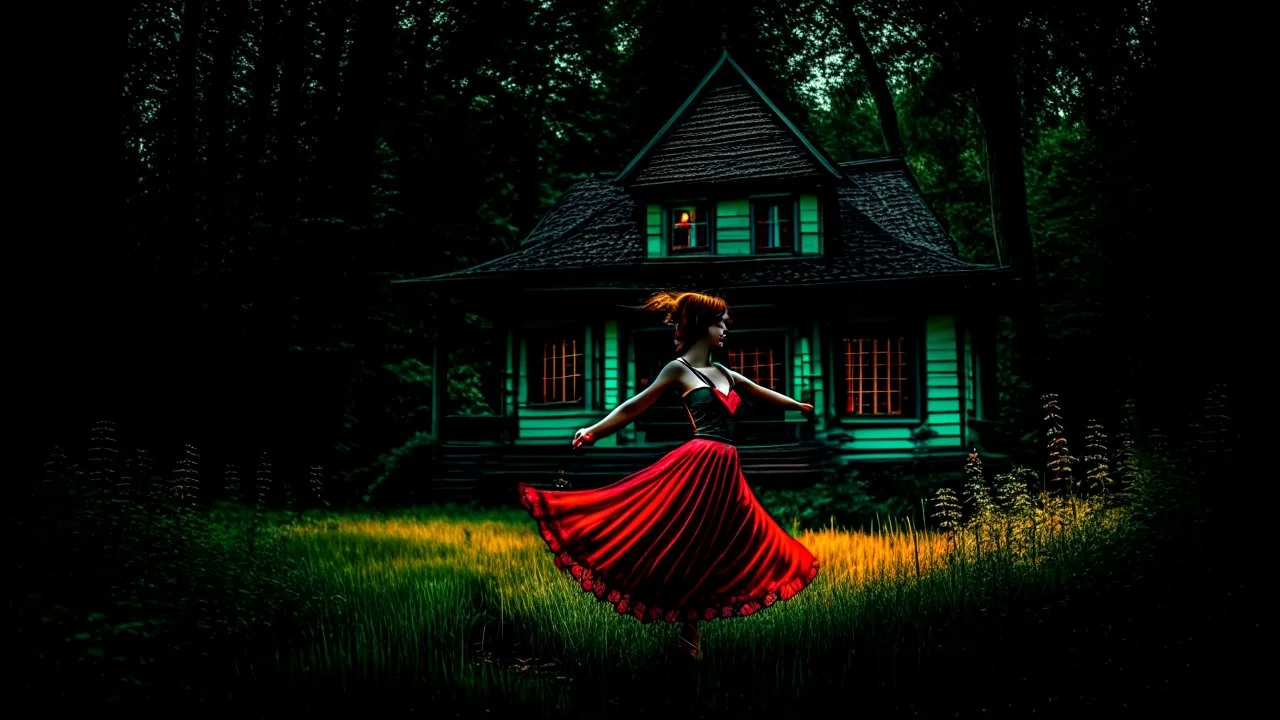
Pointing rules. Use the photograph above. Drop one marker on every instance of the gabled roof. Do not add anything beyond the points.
(886, 231)
(727, 130)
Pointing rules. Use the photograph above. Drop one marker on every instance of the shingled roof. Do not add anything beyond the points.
(886, 231)
(727, 131)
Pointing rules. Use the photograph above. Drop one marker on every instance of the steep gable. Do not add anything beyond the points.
(727, 130)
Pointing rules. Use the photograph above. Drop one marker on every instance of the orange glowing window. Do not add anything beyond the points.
(761, 365)
(875, 376)
(560, 380)
(689, 229)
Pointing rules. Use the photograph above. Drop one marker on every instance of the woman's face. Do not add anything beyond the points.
(720, 331)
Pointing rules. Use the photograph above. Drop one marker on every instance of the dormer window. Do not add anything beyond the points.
(689, 230)
(773, 225)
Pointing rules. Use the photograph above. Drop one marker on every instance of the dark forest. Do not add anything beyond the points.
(231, 467)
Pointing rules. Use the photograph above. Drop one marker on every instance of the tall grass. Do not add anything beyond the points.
(463, 608)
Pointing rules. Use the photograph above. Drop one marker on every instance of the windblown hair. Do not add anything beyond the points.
(690, 312)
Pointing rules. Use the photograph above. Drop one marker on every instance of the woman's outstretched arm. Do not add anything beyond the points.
(769, 396)
(631, 408)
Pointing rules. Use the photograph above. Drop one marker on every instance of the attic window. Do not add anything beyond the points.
(689, 229)
(773, 222)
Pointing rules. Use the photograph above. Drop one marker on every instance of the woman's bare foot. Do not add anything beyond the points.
(688, 640)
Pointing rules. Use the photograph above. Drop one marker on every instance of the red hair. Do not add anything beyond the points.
(690, 312)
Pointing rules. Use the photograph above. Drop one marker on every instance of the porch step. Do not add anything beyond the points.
(493, 470)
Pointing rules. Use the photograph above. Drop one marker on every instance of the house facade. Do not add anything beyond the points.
(846, 293)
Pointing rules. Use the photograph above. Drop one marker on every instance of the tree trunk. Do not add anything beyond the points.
(217, 101)
(363, 93)
(257, 149)
(287, 170)
(998, 109)
(182, 160)
(878, 82)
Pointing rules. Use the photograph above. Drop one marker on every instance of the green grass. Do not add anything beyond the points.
(136, 596)
(465, 609)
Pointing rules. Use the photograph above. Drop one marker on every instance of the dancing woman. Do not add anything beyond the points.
(684, 540)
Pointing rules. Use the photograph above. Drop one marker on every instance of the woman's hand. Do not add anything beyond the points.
(806, 407)
(583, 437)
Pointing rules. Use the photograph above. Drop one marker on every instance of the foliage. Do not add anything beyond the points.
(855, 498)
(337, 126)
(843, 501)
(171, 594)
(402, 472)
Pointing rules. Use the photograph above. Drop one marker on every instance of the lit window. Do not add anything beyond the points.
(875, 371)
(760, 363)
(558, 378)
(689, 229)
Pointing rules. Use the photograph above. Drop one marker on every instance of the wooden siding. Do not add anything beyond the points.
(970, 387)
(810, 226)
(943, 399)
(802, 369)
(611, 383)
(657, 246)
(628, 433)
(819, 380)
(733, 227)
(510, 395)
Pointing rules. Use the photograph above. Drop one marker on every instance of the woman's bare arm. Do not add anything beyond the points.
(769, 396)
(633, 407)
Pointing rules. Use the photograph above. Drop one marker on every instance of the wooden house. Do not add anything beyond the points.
(846, 292)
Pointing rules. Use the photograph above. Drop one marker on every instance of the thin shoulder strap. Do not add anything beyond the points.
(704, 378)
(727, 374)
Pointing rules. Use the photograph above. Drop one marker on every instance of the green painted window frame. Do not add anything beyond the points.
(535, 362)
(754, 201)
(913, 333)
(705, 205)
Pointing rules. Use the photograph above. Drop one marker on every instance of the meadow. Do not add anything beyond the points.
(1013, 600)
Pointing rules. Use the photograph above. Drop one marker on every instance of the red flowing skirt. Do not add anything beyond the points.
(684, 539)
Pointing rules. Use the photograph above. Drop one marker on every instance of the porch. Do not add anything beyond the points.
(488, 472)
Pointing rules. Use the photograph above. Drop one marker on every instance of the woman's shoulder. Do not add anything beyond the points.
(675, 367)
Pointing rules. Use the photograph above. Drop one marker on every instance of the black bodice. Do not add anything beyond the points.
(709, 412)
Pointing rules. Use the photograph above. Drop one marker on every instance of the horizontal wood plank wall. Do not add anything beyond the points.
(802, 368)
(612, 390)
(509, 392)
(733, 227)
(653, 231)
(810, 225)
(628, 433)
(970, 389)
(943, 397)
(819, 379)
